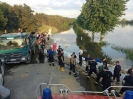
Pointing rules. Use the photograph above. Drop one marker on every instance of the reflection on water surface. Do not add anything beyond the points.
(121, 36)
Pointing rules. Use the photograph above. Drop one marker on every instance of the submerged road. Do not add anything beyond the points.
(22, 79)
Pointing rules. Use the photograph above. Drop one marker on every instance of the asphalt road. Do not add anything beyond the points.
(22, 79)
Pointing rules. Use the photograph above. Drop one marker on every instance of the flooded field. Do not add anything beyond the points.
(121, 36)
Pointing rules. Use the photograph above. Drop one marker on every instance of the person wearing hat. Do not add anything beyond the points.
(106, 78)
(127, 81)
(117, 72)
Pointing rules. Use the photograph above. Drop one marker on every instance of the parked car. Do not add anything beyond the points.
(1, 72)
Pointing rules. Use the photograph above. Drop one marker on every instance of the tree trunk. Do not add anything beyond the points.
(92, 37)
(101, 37)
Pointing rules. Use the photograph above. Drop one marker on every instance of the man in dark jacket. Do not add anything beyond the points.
(117, 72)
(51, 56)
(106, 78)
(93, 65)
(59, 56)
(127, 81)
(87, 59)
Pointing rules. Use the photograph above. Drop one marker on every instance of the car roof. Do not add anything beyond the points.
(13, 35)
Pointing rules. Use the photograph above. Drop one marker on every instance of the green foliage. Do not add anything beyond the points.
(101, 15)
(22, 16)
(3, 20)
(127, 51)
(126, 22)
(45, 29)
(93, 48)
(59, 22)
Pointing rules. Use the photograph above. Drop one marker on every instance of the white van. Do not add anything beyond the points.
(1, 73)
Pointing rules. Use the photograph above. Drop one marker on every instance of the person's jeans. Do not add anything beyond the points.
(80, 60)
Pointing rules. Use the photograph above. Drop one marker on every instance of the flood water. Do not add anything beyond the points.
(121, 36)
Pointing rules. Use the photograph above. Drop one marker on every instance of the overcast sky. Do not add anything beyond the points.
(67, 8)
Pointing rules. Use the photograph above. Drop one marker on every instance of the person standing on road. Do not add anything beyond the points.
(58, 55)
(80, 56)
(106, 79)
(4, 92)
(73, 64)
(62, 60)
(41, 56)
(93, 65)
(54, 47)
(117, 72)
(105, 61)
(51, 57)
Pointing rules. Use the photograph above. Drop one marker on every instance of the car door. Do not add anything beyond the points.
(1, 73)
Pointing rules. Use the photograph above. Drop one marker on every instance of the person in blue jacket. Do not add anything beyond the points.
(88, 59)
(51, 57)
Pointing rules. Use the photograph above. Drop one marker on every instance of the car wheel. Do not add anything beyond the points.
(28, 59)
(3, 80)
(33, 51)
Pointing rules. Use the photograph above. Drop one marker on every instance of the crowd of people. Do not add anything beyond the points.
(104, 76)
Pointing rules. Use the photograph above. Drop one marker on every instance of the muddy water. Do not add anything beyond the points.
(121, 36)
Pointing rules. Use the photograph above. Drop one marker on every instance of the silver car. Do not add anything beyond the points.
(1, 73)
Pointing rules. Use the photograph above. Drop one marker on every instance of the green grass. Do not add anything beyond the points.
(45, 29)
(127, 51)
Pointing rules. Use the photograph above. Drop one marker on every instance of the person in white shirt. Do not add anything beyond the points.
(80, 56)
(4, 92)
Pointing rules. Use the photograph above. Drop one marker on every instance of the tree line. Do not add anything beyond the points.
(125, 22)
(22, 16)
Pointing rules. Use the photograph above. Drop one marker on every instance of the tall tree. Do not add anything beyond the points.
(3, 20)
(101, 15)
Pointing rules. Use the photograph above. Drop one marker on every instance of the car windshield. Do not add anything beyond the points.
(11, 43)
